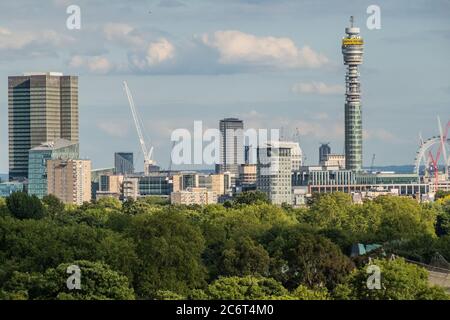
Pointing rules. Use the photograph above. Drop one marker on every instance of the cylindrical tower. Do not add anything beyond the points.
(352, 49)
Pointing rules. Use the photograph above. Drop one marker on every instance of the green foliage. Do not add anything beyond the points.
(169, 247)
(299, 257)
(53, 206)
(441, 194)
(244, 257)
(443, 217)
(98, 282)
(399, 281)
(3, 208)
(246, 249)
(251, 197)
(23, 206)
(245, 288)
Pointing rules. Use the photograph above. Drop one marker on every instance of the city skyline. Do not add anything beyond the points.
(260, 88)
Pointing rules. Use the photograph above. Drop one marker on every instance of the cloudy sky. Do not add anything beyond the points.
(272, 63)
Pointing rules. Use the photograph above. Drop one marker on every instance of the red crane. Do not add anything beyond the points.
(435, 160)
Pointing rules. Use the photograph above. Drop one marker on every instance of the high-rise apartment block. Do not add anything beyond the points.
(41, 107)
(69, 180)
(274, 172)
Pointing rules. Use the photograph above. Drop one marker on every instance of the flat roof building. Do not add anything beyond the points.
(41, 107)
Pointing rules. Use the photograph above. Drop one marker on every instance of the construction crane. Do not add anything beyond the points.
(137, 122)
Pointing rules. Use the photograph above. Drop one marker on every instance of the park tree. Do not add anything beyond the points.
(403, 218)
(245, 288)
(242, 257)
(251, 197)
(399, 280)
(53, 206)
(23, 206)
(37, 245)
(169, 247)
(302, 257)
(3, 208)
(443, 217)
(97, 282)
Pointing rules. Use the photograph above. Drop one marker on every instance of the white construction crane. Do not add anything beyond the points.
(137, 122)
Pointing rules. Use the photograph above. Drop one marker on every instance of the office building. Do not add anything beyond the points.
(7, 188)
(110, 185)
(69, 180)
(352, 50)
(41, 107)
(274, 171)
(155, 184)
(324, 151)
(37, 163)
(123, 163)
(95, 179)
(231, 145)
(200, 196)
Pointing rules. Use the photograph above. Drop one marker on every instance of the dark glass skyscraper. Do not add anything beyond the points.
(231, 145)
(352, 50)
(123, 163)
(42, 107)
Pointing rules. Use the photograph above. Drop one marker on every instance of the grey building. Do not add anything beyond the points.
(37, 163)
(231, 145)
(41, 107)
(123, 163)
(274, 172)
(352, 50)
(324, 151)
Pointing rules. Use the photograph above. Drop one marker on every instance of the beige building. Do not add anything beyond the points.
(247, 174)
(190, 196)
(334, 160)
(69, 180)
(212, 182)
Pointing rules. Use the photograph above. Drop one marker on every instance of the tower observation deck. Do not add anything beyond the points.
(352, 50)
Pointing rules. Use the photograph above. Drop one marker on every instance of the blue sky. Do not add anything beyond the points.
(272, 63)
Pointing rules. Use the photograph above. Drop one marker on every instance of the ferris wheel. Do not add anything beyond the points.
(434, 153)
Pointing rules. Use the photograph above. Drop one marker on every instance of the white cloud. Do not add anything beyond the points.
(155, 54)
(317, 88)
(96, 64)
(123, 34)
(236, 47)
(32, 43)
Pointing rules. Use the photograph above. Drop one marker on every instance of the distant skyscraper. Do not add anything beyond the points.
(37, 163)
(231, 145)
(42, 107)
(274, 172)
(352, 49)
(324, 151)
(123, 162)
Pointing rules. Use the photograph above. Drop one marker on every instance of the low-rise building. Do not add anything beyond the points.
(200, 196)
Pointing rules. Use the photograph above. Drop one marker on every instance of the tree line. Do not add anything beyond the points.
(243, 249)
